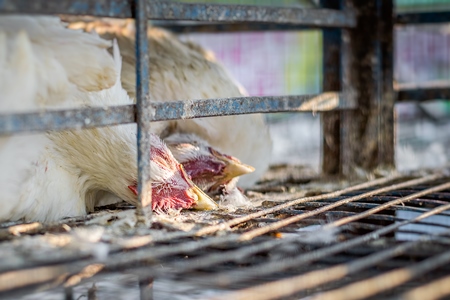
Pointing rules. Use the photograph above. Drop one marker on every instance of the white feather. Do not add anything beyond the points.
(41, 66)
(34, 183)
(42, 62)
(234, 199)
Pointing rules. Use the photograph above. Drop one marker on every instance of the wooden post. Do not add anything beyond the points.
(331, 139)
(387, 130)
(367, 133)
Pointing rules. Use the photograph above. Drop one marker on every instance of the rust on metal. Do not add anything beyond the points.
(160, 111)
(167, 10)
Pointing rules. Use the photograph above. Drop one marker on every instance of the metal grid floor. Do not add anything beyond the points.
(386, 238)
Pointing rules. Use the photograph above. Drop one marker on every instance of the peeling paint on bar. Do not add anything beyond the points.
(66, 119)
(164, 10)
(93, 117)
(248, 105)
(246, 13)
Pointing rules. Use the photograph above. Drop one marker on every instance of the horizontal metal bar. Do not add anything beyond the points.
(100, 8)
(373, 205)
(164, 10)
(93, 117)
(246, 13)
(184, 27)
(66, 119)
(423, 18)
(247, 105)
(424, 94)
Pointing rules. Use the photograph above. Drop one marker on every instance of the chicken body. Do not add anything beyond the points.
(184, 71)
(60, 174)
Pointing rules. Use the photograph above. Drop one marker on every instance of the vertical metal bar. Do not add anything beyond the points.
(68, 293)
(367, 132)
(144, 114)
(386, 153)
(92, 292)
(349, 88)
(146, 288)
(331, 51)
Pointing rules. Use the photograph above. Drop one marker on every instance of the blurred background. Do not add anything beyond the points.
(290, 62)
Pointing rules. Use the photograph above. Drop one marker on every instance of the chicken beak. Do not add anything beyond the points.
(234, 167)
(204, 202)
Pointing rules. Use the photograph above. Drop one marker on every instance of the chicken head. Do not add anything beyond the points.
(209, 168)
(172, 187)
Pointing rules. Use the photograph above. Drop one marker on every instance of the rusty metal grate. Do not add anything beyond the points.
(371, 247)
(372, 250)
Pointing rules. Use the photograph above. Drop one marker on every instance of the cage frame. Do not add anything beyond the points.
(358, 96)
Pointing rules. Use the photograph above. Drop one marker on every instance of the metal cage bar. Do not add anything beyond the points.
(143, 112)
(233, 246)
(165, 10)
(161, 111)
(423, 18)
(423, 92)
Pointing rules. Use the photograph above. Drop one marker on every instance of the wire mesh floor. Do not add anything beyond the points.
(386, 239)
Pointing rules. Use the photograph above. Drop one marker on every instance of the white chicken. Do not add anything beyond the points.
(184, 71)
(53, 175)
(51, 179)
